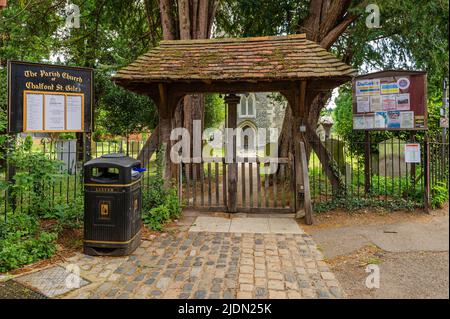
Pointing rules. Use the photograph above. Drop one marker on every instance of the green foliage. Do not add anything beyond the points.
(67, 215)
(439, 195)
(22, 242)
(160, 204)
(121, 112)
(352, 204)
(214, 110)
(35, 174)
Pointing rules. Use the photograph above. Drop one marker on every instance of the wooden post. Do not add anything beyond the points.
(165, 128)
(232, 100)
(367, 155)
(306, 193)
(302, 191)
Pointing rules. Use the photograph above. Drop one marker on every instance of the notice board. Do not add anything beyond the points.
(49, 98)
(390, 100)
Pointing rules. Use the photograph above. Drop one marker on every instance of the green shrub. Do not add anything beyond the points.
(22, 242)
(351, 204)
(67, 215)
(35, 175)
(439, 195)
(160, 204)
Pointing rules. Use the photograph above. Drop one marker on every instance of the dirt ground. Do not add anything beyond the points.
(410, 249)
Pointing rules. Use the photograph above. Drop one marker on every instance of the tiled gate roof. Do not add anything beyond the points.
(235, 59)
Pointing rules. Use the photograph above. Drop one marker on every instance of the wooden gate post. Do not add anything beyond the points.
(232, 101)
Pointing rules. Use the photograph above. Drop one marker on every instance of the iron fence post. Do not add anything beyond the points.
(426, 173)
(367, 156)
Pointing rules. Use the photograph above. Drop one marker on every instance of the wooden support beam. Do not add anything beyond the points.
(232, 100)
(165, 128)
(306, 194)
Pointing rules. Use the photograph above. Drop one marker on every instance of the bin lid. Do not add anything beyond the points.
(114, 159)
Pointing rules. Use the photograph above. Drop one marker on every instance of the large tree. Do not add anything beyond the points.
(407, 38)
(182, 20)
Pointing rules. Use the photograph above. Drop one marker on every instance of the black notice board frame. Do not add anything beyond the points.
(17, 85)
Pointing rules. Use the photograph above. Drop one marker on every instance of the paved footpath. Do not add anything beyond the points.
(211, 265)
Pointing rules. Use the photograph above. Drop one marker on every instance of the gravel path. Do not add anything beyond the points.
(412, 257)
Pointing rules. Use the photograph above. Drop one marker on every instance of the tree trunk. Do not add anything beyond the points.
(194, 21)
(150, 146)
(326, 21)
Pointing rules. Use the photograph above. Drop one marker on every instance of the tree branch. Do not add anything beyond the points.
(334, 34)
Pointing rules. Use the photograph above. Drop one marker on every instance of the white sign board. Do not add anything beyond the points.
(74, 112)
(34, 104)
(53, 112)
(412, 153)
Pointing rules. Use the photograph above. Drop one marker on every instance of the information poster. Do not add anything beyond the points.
(389, 88)
(368, 87)
(74, 112)
(363, 104)
(380, 120)
(369, 121)
(389, 102)
(393, 119)
(359, 123)
(407, 119)
(412, 153)
(375, 103)
(403, 103)
(54, 112)
(35, 112)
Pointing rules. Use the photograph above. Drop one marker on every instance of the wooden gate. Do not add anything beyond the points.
(206, 185)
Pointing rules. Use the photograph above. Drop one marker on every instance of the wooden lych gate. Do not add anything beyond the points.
(206, 186)
(297, 68)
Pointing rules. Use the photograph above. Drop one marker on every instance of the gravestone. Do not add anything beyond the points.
(391, 161)
(336, 148)
(66, 151)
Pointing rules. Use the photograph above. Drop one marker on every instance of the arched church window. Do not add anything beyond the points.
(247, 106)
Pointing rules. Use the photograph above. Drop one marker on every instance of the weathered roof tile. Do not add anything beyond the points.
(243, 59)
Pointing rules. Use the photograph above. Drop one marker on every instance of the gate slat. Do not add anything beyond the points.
(216, 168)
(188, 181)
(250, 179)
(266, 185)
(244, 202)
(275, 193)
(202, 186)
(209, 184)
(224, 180)
(258, 180)
(283, 185)
(194, 185)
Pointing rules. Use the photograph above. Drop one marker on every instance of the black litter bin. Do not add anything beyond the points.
(112, 205)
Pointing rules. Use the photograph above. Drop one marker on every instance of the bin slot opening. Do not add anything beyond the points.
(105, 174)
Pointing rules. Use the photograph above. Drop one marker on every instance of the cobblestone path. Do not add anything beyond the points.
(211, 265)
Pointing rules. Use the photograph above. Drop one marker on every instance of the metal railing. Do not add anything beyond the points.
(390, 177)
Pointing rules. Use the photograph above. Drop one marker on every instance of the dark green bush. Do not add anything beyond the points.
(160, 204)
(23, 242)
(439, 195)
(351, 204)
